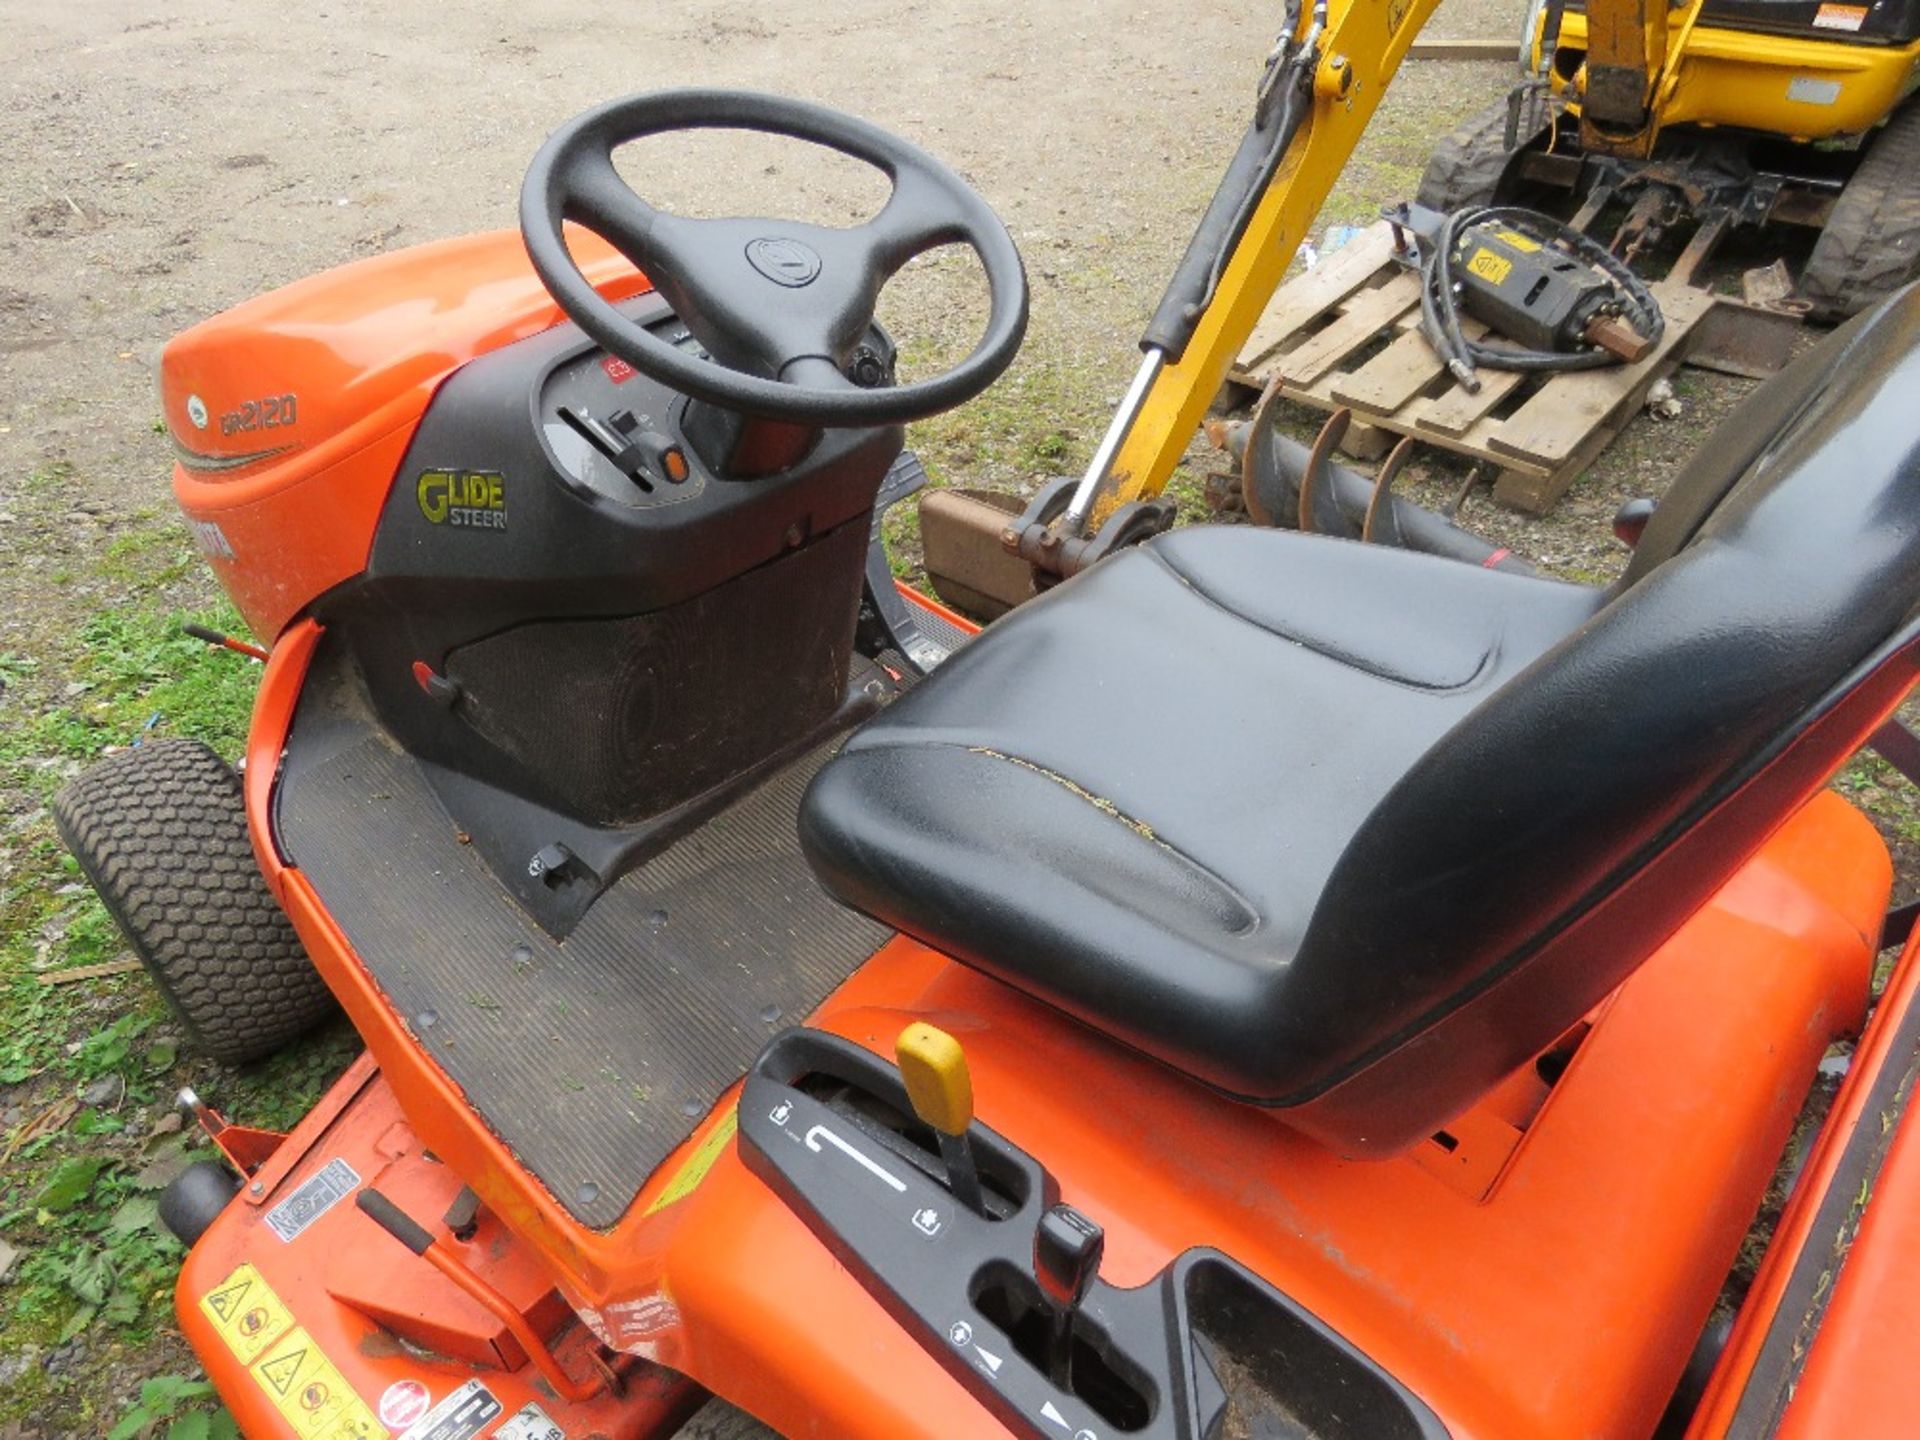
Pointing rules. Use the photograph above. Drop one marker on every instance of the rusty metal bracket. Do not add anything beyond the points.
(1044, 536)
(969, 568)
(246, 1149)
(262, 1156)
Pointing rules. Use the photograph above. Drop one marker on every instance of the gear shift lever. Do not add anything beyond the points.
(941, 1088)
(1066, 1256)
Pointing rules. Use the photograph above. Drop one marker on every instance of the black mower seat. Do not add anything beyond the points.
(1356, 832)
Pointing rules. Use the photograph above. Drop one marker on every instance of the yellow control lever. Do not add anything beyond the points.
(938, 1081)
(941, 1088)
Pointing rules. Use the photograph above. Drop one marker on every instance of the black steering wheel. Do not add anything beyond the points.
(779, 304)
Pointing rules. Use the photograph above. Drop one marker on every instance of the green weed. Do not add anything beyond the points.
(174, 1401)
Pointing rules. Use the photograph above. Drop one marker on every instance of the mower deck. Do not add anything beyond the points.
(594, 1057)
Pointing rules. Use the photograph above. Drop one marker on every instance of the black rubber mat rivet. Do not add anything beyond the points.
(587, 1193)
(426, 1020)
(770, 1013)
(691, 1108)
(657, 920)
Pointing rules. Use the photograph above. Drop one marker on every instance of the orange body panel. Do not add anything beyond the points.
(1564, 1304)
(292, 411)
(1557, 1293)
(1859, 1379)
(322, 1276)
(928, 603)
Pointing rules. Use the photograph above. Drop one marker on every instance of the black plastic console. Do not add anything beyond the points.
(590, 637)
(1204, 1350)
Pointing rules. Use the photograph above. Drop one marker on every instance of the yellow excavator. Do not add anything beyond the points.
(1709, 115)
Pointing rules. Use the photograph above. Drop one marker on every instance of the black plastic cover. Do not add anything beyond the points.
(1203, 1350)
(576, 644)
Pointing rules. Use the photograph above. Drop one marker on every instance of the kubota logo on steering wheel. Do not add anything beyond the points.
(785, 262)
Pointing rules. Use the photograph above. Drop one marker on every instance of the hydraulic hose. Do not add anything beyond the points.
(1439, 300)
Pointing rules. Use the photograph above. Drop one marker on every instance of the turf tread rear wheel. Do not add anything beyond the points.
(1870, 245)
(161, 832)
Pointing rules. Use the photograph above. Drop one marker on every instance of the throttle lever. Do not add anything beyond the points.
(1067, 1247)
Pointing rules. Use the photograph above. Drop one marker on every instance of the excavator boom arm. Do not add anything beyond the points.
(1357, 53)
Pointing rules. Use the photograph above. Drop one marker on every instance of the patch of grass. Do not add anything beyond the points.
(1873, 784)
(79, 1181)
(133, 672)
(51, 480)
(148, 558)
(1043, 419)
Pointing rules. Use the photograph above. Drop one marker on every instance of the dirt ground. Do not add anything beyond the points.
(164, 163)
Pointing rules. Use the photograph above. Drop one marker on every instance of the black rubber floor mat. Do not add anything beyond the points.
(593, 1057)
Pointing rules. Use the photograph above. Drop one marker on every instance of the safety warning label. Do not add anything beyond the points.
(246, 1314)
(311, 1396)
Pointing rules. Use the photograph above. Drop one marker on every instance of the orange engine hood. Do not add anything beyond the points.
(290, 412)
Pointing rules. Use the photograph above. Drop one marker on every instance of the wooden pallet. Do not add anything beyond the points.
(1347, 333)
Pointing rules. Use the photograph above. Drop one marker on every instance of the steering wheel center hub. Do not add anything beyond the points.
(785, 262)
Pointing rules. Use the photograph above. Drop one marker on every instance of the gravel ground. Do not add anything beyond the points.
(166, 163)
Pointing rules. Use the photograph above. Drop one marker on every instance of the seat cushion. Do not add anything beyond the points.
(1127, 797)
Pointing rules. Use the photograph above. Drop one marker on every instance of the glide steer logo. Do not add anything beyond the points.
(467, 499)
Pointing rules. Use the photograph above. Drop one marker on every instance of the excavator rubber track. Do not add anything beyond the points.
(1870, 246)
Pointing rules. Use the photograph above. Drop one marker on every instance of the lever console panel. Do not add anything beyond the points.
(614, 432)
(1203, 1350)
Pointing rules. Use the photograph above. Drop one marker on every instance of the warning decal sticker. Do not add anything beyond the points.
(688, 1177)
(246, 1314)
(1840, 17)
(311, 1396)
(1489, 266)
(530, 1423)
(318, 1193)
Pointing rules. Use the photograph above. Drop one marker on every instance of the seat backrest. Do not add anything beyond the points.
(1757, 426)
(1548, 844)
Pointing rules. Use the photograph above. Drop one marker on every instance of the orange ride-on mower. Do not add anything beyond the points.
(1267, 986)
